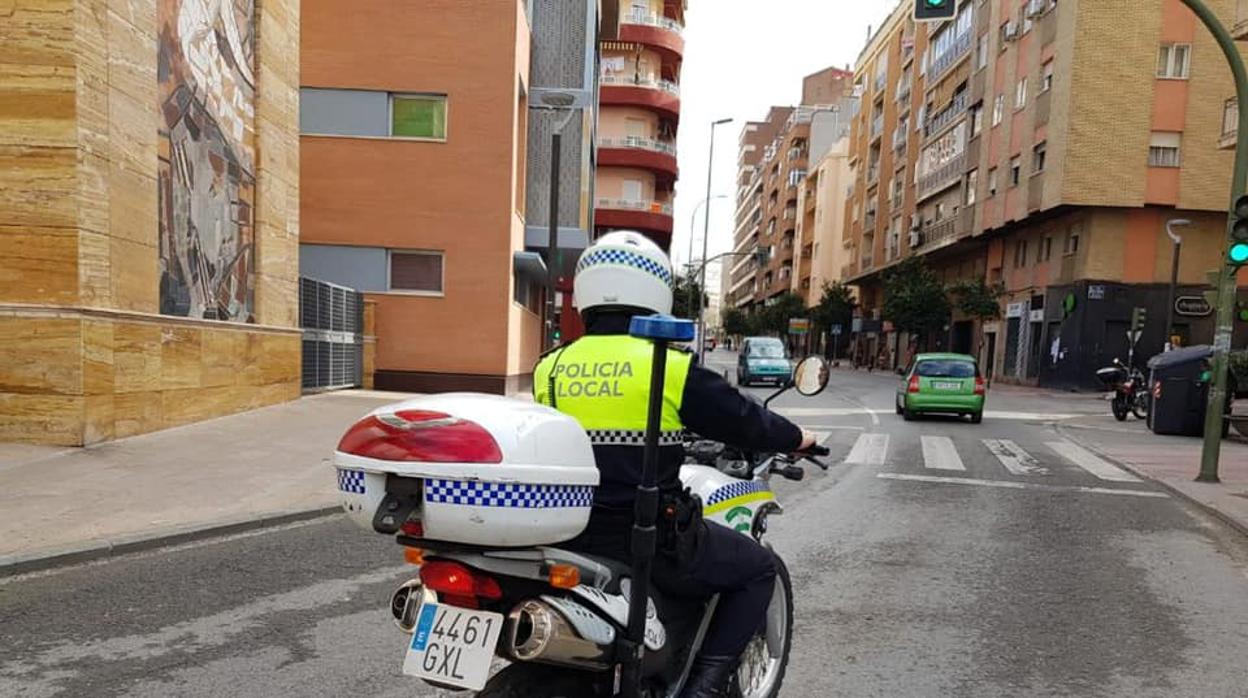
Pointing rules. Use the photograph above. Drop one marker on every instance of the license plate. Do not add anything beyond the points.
(453, 646)
(944, 385)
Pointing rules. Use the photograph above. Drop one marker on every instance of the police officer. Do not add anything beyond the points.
(603, 381)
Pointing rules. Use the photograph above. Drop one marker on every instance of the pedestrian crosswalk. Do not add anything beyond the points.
(941, 453)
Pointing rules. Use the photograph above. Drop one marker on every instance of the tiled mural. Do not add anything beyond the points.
(206, 71)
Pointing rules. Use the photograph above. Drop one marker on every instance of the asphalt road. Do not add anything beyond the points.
(1033, 570)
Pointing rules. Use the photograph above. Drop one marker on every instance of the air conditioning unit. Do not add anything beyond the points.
(1036, 8)
(915, 222)
(1011, 31)
(916, 238)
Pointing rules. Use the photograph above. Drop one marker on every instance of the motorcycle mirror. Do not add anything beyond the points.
(811, 376)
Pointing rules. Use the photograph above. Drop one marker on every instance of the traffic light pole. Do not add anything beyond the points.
(1227, 281)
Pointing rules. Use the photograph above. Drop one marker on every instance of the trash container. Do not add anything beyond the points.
(1179, 392)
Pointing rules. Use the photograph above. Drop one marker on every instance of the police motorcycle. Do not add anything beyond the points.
(480, 490)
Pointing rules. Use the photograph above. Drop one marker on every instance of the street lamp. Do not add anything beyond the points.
(1174, 275)
(706, 231)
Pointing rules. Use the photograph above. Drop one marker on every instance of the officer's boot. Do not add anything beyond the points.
(710, 677)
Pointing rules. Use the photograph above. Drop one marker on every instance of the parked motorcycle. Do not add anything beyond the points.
(1128, 390)
(480, 491)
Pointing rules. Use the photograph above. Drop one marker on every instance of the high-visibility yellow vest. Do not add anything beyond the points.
(603, 381)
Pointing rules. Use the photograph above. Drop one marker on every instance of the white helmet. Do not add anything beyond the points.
(623, 269)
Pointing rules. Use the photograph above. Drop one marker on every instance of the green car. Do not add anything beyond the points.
(942, 384)
(763, 360)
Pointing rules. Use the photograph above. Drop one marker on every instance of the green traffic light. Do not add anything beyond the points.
(1238, 254)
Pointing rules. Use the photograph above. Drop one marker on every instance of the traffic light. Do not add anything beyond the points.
(1237, 251)
(935, 10)
(1138, 317)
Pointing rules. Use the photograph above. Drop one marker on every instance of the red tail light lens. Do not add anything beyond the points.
(458, 582)
(418, 435)
(914, 384)
(980, 387)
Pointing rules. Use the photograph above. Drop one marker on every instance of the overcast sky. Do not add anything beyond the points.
(741, 57)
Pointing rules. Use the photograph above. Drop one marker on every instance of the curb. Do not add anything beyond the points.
(99, 549)
(1231, 521)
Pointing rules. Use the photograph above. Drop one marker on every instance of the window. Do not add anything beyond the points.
(1007, 33)
(1026, 17)
(418, 116)
(1163, 149)
(998, 109)
(977, 120)
(1016, 170)
(1072, 239)
(1020, 254)
(419, 272)
(1020, 94)
(972, 182)
(1038, 158)
(1046, 76)
(981, 53)
(992, 182)
(528, 293)
(1046, 249)
(1172, 61)
(631, 190)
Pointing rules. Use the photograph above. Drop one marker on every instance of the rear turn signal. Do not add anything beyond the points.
(414, 556)
(564, 576)
(419, 435)
(914, 384)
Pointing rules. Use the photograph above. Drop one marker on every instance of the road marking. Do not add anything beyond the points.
(1090, 462)
(1014, 458)
(874, 414)
(940, 454)
(869, 449)
(829, 427)
(1011, 485)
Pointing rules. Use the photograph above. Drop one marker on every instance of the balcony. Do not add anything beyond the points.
(1230, 124)
(665, 34)
(944, 177)
(662, 96)
(960, 49)
(877, 126)
(940, 233)
(956, 109)
(654, 217)
(633, 151)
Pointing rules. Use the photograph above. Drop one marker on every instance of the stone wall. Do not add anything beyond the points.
(84, 354)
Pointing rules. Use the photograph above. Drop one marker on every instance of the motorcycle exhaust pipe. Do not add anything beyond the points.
(405, 604)
(536, 632)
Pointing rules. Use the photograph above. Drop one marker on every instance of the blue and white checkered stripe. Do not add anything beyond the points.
(627, 259)
(736, 489)
(351, 481)
(508, 495)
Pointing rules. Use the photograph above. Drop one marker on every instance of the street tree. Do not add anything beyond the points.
(914, 299)
(836, 307)
(976, 299)
(735, 321)
(684, 297)
(775, 317)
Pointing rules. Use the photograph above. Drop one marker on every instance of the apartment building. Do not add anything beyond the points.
(1046, 146)
(639, 113)
(771, 174)
(414, 132)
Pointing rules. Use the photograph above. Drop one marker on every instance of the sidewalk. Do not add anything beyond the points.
(1171, 461)
(244, 471)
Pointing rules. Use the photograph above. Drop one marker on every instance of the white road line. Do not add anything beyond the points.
(1012, 485)
(874, 414)
(1090, 462)
(1014, 458)
(940, 454)
(869, 449)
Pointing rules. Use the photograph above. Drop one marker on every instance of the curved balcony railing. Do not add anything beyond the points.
(650, 19)
(638, 143)
(624, 81)
(638, 205)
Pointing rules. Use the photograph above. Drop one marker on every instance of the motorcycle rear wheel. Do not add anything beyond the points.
(1120, 408)
(541, 681)
(1140, 405)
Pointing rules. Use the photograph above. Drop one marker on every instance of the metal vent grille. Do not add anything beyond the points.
(332, 318)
